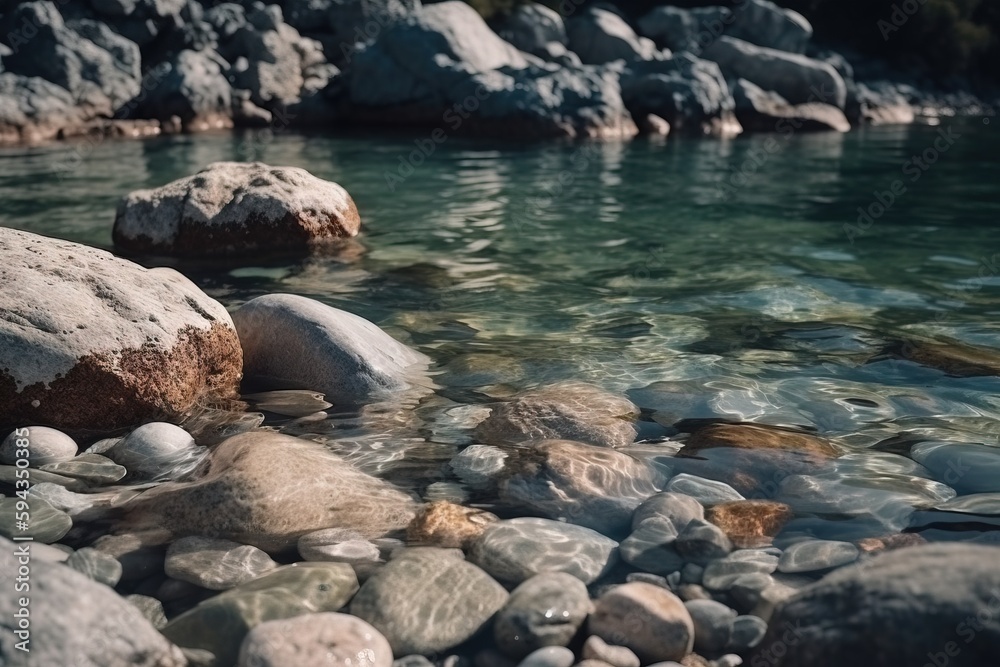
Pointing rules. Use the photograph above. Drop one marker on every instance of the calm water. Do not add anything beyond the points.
(704, 278)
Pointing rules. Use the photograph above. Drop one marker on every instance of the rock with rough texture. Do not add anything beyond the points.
(762, 111)
(76, 621)
(546, 610)
(39, 445)
(233, 208)
(814, 555)
(568, 410)
(191, 85)
(90, 341)
(96, 565)
(796, 78)
(215, 564)
(157, 450)
(359, 22)
(937, 600)
(682, 29)
(245, 497)
(532, 27)
(764, 23)
(34, 110)
(427, 601)
(293, 340)
(315, 640)
(588, 486)
(649, 620)
(447, 525)
(600, 36)
(750, 523)
(220, 624)
(515, 550)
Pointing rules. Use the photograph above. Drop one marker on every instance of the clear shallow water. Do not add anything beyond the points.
(704, 279)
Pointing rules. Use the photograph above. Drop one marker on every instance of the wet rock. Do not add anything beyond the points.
(589, 486)
(756, 436)
(96, 565)
(246, 498)
(39, 445)
(139, 559)
(649, 620)
(447, 525)
(601, 36)
(546, 610)
(479, 466)
(815, 555)
(915, 597)
(702, 542)
(762, 111)
(44, 523)
(109, 344)
(288, 403)
(92, 469)
(157, 451)
(569, 410)
(338, 545)
(713, 625)
(721, 574)
(766, 24)
(549, 656)
(949, 356)
(532, 27)
(72, 612)
(705, 491)
(220, 623)
(748, 631)
(150, 608)
(515, 550)
(967, 468)
(192, 86)
(596, 648)
(677, 508)
(796, 78)
(232, 208)
(875, 545)
(289, 339)
(427, 602)
(650, 547)
(750, 523)
(215, 564)
(315, 640)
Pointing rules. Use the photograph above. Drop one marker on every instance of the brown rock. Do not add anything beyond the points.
(649, 620)
(875, 545)
(756, 436)
(949, 356)
(447, 525)
(750, 523)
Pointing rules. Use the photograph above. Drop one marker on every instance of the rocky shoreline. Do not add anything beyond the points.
(136, 68)
(176, 519)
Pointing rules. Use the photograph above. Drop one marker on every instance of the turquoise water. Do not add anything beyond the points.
(723, 279)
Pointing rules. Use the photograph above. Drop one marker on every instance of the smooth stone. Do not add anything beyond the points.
(689, 592)
(292, 341)
(412, 661)
(315, 640)
(60, 498)
(235, 208)
(748, 631)
(649, 620)
(546, 610)
(44, 523)
(596, 648)
(678, 508)
(701, 543)
(215, 564)
(650, 547)
(97, 565)
(746, 589)
(757, 436)
(708, 492)
(338, 545)
(713, 625)
(288, 402)
(90, 468)
(967, 468)
(595, 487)
(479, 466)
(447, 525)
(78, 622)
(50, 553)
(220, 623)
(567, 410)
(918, 601)
(150, 608)
(549, 656)
(10, 475)
(246, 497)
(750, 523)
(692, 574)
(139, 558)
(721, 574)
(426, 602)
(515, 550)
(156, 451)
(112, 344)
(817, 555)
(44, 445)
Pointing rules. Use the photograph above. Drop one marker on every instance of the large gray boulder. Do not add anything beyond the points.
(33, 109)
(99, 67)
(600, 36)
(877, 103)
(292, 340)
(90, 341)
(235, 208)
(762, 111)
(73, 620)
(443, 67)
(685, 29)
(261, 489)
(689, 93)
(191, 86)
(359, 22)
(532, 27)
(766, 24)
(934, 604)
(796, 78)
(271, 66)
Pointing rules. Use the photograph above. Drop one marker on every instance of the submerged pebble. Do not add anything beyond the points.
(546, 610)
(44, 445)
(157, 451)
(215, 564)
